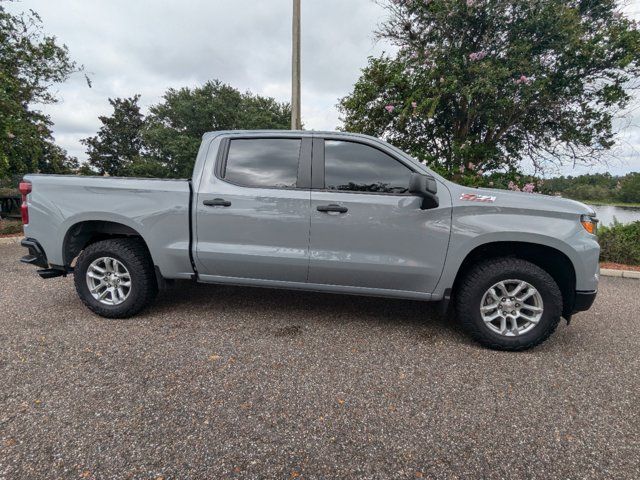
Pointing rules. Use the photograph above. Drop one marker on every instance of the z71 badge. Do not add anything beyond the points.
(472, 197)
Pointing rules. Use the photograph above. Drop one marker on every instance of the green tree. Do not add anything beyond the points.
(478, 85)
(30, 64)
(630, 188)
(595, 186)
(174, 128)
(118, 144)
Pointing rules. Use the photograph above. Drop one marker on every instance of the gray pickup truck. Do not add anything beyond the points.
(330, 212)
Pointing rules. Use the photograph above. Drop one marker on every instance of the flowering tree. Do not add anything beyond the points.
(478, 85)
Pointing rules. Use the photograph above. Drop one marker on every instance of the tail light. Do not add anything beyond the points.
(25, 189)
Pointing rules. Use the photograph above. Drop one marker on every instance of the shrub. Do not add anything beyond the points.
(8, 192)
(620, 243)
(9, 227)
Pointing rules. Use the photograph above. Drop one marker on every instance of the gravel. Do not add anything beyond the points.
(223, 382)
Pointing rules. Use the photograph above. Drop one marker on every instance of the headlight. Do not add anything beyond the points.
(590, 224)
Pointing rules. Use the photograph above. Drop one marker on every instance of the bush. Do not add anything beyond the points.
(10, 227)
(620, 243)
(8, 192)
(9, 185)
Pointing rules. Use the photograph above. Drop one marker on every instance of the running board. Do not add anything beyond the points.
(52, 273)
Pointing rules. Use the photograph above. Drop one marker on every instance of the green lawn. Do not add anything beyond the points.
(610, 203)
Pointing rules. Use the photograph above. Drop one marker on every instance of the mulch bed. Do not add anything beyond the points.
(619, 266)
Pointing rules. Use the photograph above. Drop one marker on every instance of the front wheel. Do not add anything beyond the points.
(509, 304)
(115, 278)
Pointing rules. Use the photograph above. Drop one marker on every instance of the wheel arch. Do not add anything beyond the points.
(84, 233)
(555, 262)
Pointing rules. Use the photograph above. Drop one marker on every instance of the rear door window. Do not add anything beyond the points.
(263, 162)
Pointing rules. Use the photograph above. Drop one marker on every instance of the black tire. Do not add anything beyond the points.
(486, 274)
(133, 254)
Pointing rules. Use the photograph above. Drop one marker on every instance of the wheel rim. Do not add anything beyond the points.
(511, 307)
(109, 281)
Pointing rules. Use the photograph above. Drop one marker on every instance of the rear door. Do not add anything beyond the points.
(366, 229)
(253, 213)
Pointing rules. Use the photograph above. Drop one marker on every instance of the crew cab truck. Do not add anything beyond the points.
(331, 212)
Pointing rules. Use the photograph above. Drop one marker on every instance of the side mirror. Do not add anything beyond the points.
(425, 186)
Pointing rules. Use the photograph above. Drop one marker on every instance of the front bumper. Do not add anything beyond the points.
(583, 301)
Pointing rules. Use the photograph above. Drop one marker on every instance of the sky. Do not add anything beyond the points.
(147, 46)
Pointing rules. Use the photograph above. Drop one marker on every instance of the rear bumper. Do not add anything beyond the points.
(583, 301)
(36, 255)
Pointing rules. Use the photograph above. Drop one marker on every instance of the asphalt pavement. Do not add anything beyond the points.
(225, 382)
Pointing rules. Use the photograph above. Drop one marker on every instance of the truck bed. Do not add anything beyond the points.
(156, 209)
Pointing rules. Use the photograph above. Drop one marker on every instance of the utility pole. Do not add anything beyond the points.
(296, 121)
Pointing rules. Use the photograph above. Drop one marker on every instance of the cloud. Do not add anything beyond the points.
(147, 46)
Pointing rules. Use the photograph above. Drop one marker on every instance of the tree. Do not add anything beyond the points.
(478, 85)
(30, 64)
(174, 128)
(118, 144)
(630, 188)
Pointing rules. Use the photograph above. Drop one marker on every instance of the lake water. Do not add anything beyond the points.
(622, 214)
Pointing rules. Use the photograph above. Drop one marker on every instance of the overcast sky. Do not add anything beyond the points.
(147, 46)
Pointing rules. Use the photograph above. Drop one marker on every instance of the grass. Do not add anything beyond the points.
(10, 227)
(610, 203)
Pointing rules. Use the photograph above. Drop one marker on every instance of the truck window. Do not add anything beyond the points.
(351, 166)
(263, 162)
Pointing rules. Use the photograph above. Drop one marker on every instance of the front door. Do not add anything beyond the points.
(252, 215)
(366, 229)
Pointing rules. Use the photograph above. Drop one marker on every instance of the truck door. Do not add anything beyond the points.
(366, 229)
(253, 213)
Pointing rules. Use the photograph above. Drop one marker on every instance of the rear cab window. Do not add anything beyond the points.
(263, 162)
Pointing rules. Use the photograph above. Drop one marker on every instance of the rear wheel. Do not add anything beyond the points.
(115, 278)
(508, 304)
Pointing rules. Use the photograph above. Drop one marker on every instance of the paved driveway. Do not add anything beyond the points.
(243, 383)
